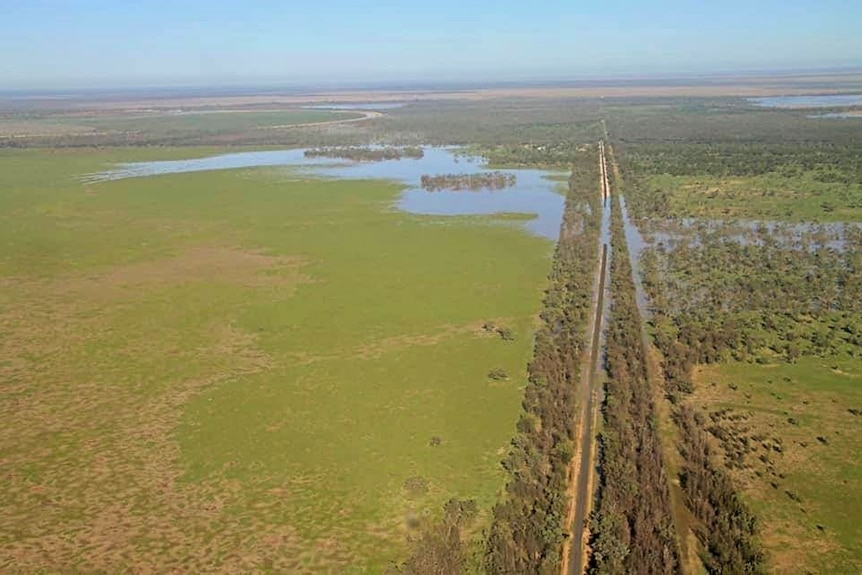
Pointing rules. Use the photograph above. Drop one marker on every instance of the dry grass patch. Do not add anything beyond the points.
(97, 370)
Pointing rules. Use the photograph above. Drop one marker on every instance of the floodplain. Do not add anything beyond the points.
(250, 367)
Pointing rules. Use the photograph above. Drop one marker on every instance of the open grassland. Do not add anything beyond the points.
(220, 121)
(245, 370)
(800, 197)
(163, 124)
(790, 435)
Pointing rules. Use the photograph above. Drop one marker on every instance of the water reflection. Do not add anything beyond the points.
(636, 245)
(796, 235)
(823, 101)
(837, 115)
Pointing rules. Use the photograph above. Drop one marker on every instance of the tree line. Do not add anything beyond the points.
(528, 528)
(632, 529)
(830, 162)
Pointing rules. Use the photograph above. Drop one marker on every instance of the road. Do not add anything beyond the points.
(582, 471)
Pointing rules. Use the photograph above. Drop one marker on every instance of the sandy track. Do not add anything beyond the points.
(366, 115)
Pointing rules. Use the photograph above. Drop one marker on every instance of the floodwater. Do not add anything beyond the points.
(824, 101)
(533, 193)
(794, 235)
(636, 245)
(837, 115)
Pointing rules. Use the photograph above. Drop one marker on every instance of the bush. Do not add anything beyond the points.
(498, 374)
(506, 334)
(416, 485)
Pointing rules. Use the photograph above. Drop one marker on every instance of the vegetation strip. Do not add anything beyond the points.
(692, 329)
(528, 527)
(632, 529)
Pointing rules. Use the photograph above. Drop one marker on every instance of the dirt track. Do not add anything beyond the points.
(582, 470)
(365, 116)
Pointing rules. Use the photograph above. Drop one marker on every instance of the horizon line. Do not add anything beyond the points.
(442, 84)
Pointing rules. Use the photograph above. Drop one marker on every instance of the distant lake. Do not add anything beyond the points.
(533, 193)
(838, 115)
(825, 101)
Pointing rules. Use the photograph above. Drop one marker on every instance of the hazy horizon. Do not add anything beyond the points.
(101, 44)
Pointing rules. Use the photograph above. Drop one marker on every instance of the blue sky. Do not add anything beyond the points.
(77, 43)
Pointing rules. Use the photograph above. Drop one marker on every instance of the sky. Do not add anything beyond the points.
(49, 44)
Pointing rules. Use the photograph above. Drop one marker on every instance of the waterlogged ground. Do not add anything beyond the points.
(823, 101)
(247, 370)
(534, 192)
(782, 424)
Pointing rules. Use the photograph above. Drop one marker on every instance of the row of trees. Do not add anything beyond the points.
(830, 162)
(722, 291)
(713, 291)
(728, 529)
(756, 295)
(527, 532)
(528, 524)
(632, 527)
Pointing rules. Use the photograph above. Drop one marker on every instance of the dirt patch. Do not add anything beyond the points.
(386, 345)
(390, 344)
(199, 264)
(43, 318)
(786, 536)
(106, 494)
(25, 129)
(206, 264)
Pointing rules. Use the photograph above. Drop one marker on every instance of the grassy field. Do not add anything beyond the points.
(166, 124)
(798, 197)
(794, 431)
(244, 370)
